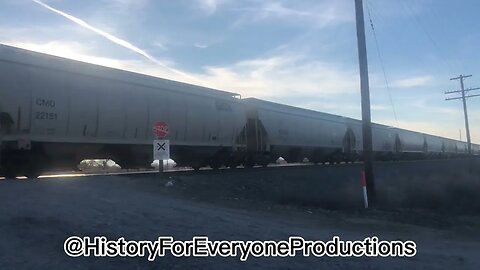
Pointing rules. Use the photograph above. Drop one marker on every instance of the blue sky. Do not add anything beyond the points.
(301, 53)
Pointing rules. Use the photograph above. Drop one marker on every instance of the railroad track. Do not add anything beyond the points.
(207, 170)
(182, 170)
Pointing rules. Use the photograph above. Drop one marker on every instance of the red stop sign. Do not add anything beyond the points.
(160, 129)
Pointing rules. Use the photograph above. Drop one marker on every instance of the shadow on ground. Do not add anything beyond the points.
(441, 186)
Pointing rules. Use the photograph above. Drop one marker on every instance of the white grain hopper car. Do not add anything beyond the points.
(55, 112)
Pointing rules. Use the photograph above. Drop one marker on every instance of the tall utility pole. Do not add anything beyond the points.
(464, 99)
(365, 93)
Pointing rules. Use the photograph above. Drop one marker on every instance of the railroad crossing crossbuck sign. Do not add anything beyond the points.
(161, 149)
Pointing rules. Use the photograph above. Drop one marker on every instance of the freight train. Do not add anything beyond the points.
(56, 112)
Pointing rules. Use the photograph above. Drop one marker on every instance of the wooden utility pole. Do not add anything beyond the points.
(464, 100)
(365, 94)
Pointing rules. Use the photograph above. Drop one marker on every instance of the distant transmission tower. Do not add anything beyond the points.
(464, 99)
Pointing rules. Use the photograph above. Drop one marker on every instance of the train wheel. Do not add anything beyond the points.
(232, 164)
(33, 165)
(215, 166)
(11, 171)
(33, 172)
(264, 160)
(317, 161)
(10, 174)
(249, 164)
(10, 166)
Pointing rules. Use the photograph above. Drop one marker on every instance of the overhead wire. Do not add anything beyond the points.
(411, 11)
(382, 64)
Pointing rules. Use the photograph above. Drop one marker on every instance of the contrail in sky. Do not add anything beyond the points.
(114, 39)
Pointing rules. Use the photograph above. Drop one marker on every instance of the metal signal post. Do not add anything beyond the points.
(365, 93)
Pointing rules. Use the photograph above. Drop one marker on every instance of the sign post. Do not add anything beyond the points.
(161, 147)
(161, 151)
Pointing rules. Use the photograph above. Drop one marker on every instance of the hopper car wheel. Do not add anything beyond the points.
(33, 172)
(215, 165)
(232, 165)
(249, 163)
(10, 168)
(265, 160)
(264, 163)
(317, 161)
(33, 166)
(10, 173)
(332, 160)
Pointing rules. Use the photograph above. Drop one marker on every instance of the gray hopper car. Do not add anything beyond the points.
(55, 112)
(295, 133)
(276, 130)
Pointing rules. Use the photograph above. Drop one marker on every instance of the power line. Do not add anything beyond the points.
(410, 10)
(382, 63)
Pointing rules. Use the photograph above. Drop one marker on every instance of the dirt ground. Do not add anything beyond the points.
(38, 215)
